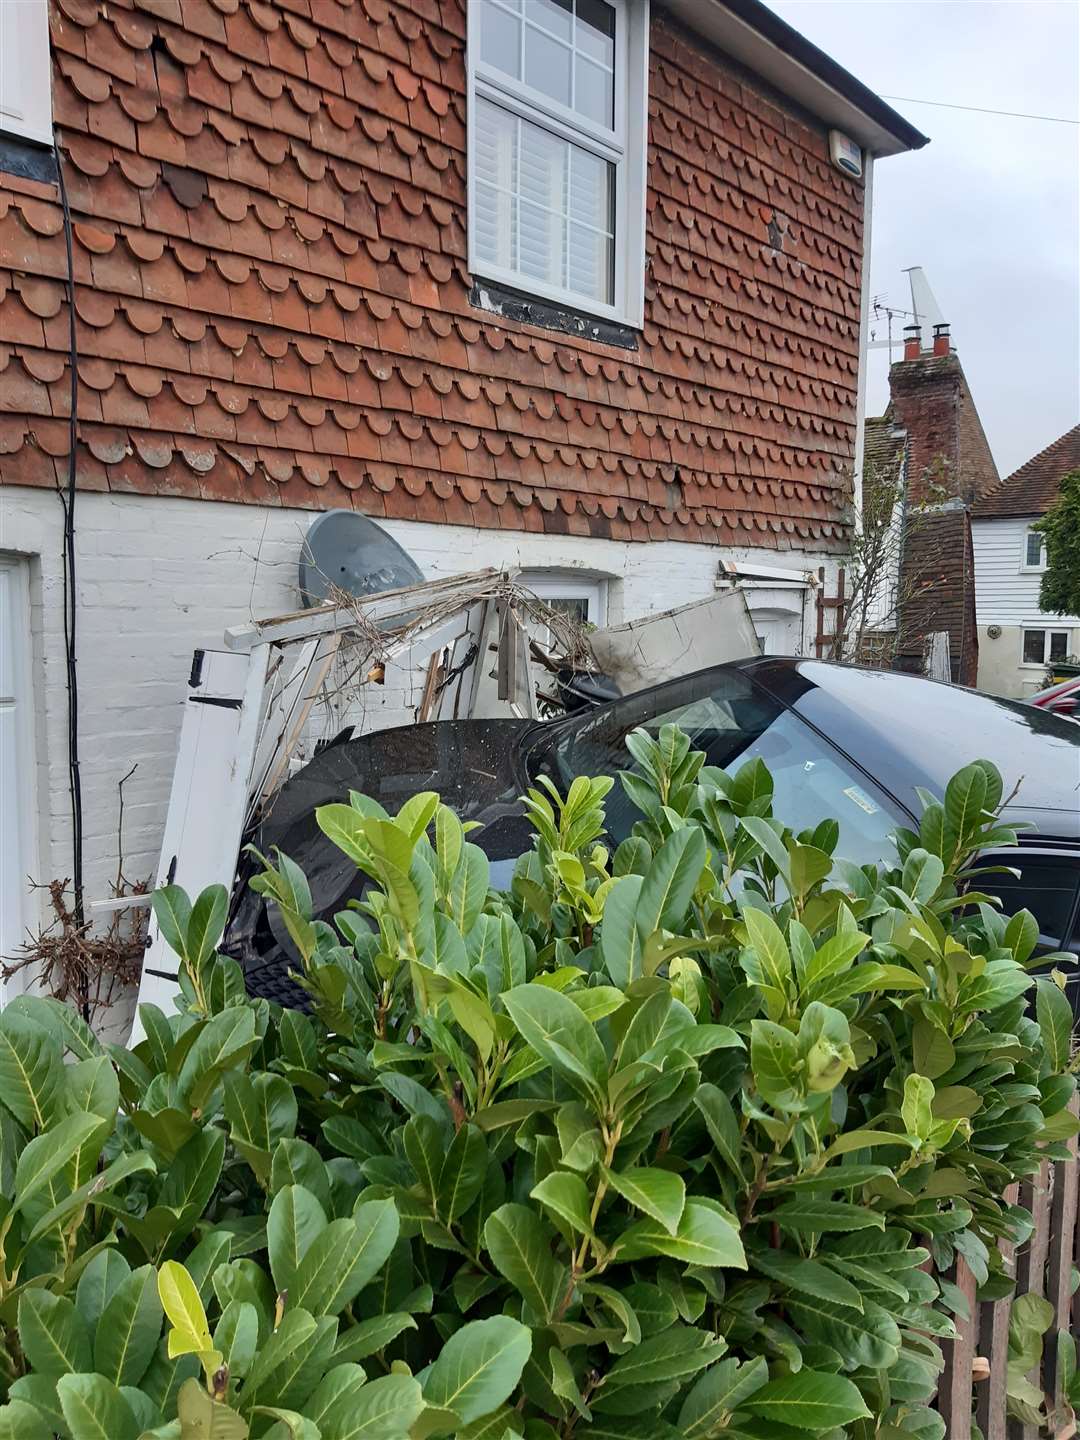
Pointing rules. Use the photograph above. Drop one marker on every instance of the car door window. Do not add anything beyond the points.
(732, 721)
(1044, 884)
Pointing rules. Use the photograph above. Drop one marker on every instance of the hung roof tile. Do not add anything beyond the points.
(316, 164)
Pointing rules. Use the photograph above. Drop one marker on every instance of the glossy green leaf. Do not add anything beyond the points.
(52, 1334)
(816, 1217)
(461, 1174)
(769, 948)
(97, 1285)
(669, 882)
(671, 1355)
(720, 1391)
(343, 1258)
(1054, 1014)
(295, 1222)
(520, 1246)
(31, 1070)
(620, 940)
(555, 1028)
(127, 1337)
(48, 1154)
(203, 1418)
(808, 1400)
(704, 1237)
(723, 1127)
(383, 1409)
(206, 924)
(236, 1336)
(808, 1276)
(479, 1367)
(659, 1193)
(94, 1409)
(564, 1193)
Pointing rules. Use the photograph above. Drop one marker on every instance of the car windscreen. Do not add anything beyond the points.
(732, 721)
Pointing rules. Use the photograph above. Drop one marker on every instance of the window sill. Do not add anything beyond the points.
(27, 166)
(494, 298)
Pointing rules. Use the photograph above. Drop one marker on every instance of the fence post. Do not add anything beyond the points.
(1031, 1268)
(1064, 1246)
(954, 1393)
(994, 1340)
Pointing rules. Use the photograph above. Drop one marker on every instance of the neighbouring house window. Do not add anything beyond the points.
(1034, 551)
(25, 93)
(1042, 646)
(557, 139)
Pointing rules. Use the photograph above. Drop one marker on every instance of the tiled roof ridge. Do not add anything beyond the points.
(1034, 486)
(1063, 442)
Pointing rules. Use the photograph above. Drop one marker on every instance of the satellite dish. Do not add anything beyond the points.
(346, 551)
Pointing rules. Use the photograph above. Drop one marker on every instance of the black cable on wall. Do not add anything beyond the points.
(67, 501)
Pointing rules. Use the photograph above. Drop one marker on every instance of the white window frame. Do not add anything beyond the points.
(626, 146)
(548, 585)
(1025, 564)
(1047, 631)
(25, 71)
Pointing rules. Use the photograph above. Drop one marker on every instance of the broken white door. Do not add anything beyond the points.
(16, 760)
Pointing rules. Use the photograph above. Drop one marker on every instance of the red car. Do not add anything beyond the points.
(1062, 698)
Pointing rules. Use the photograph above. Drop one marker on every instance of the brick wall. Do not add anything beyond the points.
(949, 465)
(947, 446)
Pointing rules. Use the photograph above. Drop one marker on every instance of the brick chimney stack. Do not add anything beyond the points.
(912, 342)
(942, 345)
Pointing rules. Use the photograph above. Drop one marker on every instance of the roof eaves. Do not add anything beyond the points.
(757, 37)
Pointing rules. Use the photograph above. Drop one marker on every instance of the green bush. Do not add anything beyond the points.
(656, 1144)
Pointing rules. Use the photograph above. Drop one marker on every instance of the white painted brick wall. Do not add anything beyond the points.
(159, 577)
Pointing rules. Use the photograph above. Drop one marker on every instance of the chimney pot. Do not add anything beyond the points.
(942, 344)
(912, 342)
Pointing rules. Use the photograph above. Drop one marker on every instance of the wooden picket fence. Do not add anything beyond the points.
(1044, 1265)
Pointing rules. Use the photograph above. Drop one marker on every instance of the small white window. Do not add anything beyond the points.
(25, 93)
(557, 141)
(1041, 647)
(580, 596)
(1034, 551)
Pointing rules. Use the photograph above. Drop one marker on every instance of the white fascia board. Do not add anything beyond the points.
(728, 32)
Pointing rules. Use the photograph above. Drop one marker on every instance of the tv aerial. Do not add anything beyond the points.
(346, 551)
(924, 312)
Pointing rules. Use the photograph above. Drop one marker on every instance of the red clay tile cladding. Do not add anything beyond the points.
(273, 301)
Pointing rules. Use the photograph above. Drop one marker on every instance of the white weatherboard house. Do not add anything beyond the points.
(1017, 641)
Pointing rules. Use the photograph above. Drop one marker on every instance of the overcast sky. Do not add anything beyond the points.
(991, 207)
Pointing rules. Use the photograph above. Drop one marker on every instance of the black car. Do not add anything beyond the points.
(852, 744)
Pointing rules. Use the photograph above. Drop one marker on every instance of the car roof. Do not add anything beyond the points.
(907, 731)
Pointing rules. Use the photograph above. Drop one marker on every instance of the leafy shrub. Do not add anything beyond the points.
(656, 1144)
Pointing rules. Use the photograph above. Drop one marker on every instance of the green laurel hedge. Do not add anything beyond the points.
(657, 1144)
